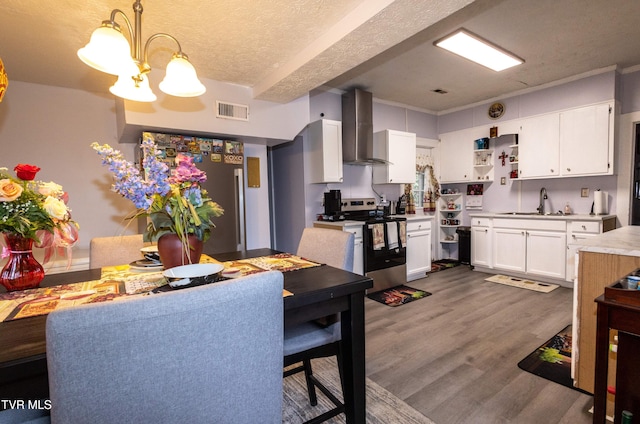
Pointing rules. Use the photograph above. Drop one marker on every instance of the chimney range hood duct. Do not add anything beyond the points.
(357, 128)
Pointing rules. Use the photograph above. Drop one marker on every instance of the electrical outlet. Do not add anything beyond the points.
(503, 181)
(584, 192)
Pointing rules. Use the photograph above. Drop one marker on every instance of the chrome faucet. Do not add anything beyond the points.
(543, 197)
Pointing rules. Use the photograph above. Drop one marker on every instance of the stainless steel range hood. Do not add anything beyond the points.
(357, 128)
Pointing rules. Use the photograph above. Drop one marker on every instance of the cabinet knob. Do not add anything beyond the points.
(486, 231)
(568, 169)
(584, 227)
(552, 170)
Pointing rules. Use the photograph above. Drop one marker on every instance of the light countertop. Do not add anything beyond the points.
(348, 222)
(577, 217)
(621, 241)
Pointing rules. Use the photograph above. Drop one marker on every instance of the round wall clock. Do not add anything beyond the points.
(496, 110)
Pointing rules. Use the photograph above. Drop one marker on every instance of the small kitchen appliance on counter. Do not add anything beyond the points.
(401, 206)
(333, 206)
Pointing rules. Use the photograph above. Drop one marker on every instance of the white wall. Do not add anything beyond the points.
(52, 128)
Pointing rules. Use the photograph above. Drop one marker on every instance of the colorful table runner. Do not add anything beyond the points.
(119, 281)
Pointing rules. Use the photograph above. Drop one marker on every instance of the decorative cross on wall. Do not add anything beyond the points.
(503, 156)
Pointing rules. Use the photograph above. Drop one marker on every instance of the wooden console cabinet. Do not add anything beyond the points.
(618, 309)
(595, 272)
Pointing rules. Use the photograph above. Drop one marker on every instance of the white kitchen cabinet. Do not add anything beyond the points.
(399, 149)
(456, 155)
(539, 147)
(418, 248)
(577, 232)
(510, 249)
(546, 253)
(536, 247)
(325, 150)
(586, 140)
(481, 242)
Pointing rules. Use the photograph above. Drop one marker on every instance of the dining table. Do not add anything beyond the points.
(311, 293)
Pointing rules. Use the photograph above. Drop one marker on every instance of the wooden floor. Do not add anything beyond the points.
(453, 356)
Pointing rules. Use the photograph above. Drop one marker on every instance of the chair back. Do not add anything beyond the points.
(331, 247)
(118, 250)
(208, 354)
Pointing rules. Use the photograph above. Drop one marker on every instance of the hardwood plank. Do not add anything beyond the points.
(453, 356)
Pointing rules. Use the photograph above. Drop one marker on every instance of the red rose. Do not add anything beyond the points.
(26, 172)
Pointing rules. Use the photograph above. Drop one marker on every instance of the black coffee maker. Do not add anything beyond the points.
(333, 203)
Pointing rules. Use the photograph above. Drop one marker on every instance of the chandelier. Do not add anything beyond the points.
(109, 51)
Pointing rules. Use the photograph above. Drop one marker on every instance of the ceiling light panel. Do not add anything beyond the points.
(474, 48)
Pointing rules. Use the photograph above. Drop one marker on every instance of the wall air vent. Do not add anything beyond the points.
(232, 111)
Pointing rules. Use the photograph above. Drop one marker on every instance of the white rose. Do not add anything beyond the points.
(55, 208)
(50, 189)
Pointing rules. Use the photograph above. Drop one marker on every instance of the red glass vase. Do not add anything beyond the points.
(22, 271)
(172, 253)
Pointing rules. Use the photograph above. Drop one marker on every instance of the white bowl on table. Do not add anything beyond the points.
(194, 274)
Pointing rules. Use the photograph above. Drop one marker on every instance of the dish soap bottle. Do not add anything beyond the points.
(567, 209)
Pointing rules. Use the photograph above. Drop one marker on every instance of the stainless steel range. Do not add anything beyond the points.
(384, 237)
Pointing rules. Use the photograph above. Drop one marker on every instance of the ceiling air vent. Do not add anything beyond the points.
(232, 111)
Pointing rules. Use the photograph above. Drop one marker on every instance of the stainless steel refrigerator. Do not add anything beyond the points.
(223, 162)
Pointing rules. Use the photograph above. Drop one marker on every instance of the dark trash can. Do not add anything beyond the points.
(464, 244)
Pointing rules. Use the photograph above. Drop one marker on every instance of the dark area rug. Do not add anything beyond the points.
(398, 295)
(443, 264)
(552, 360)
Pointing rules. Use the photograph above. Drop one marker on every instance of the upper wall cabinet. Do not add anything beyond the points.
(457, 154)
(575, 142)
(539, 147)
(399, 149)
(325, 149)
(586, 140)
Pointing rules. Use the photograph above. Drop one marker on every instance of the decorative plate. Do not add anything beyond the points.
(496, 110)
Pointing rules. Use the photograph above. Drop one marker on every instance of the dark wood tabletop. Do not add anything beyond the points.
(317, 292)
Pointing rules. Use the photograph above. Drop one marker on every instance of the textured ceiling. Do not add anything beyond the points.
(285, 48)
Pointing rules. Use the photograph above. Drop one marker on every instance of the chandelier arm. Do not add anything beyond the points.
(145, 65)
(132, 37)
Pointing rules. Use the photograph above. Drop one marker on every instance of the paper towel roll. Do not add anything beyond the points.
(600, 203)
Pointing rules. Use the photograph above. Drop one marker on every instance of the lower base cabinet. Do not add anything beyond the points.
(509, 249)
(536, 252)
(546, 253)
(481, 246)
(418, 248)
(539, 247)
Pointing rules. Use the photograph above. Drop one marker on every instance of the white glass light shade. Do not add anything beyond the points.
(181, 80)
(127, 88)
(107, 51)
(474, 48)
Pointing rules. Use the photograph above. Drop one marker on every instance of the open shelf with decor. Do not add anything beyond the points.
(450, 206)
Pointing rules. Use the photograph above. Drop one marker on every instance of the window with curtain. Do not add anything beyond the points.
(426, 188)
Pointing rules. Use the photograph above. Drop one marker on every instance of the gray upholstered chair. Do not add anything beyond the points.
(208, 354)
(317, 339)
(117, 250)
